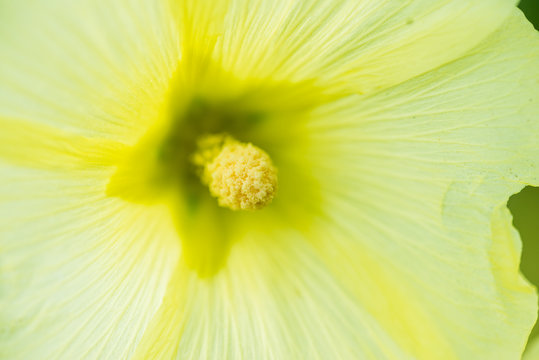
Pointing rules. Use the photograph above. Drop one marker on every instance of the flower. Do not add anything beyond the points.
(390, 135)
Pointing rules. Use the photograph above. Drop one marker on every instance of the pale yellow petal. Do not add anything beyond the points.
(275, 299)
(44, 147)
(81, 274)
(91, 67)
(419, 176)
(357, 46)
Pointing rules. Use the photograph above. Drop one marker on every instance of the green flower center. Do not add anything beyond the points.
(260, 127)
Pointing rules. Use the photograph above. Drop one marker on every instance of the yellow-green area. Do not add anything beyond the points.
(525, 205)
(525, 209)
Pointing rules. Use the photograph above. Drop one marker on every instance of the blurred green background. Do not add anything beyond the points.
(525, 205)
(531, 9)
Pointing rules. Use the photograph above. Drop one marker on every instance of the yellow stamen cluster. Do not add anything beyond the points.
(241, 176)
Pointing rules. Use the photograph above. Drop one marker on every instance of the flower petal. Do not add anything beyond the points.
(44, 147)
(81, 275)
(420, 175)
(275, 299)
(358, 45)
(91, 67)
(532, 351)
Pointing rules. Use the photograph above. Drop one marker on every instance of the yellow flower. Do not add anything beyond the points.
(372, 144)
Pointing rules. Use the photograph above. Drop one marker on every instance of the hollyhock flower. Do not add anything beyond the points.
(264, 179)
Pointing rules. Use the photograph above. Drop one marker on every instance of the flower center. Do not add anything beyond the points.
(241, 176)
(205, 153)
